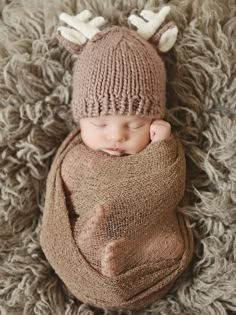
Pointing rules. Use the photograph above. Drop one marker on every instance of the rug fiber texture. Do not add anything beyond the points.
(35, 117)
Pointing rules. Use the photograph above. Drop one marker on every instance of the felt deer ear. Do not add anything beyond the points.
(81, 29)
(147, 26)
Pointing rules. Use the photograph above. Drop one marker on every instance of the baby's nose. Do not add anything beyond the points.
(117, 136)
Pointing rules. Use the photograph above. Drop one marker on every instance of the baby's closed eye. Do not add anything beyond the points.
(135, 126)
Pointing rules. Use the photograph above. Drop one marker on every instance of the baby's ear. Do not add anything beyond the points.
(148, 25)
(80, 31)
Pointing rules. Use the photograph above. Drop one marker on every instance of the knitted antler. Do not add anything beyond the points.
(165, 37)
(82, 29)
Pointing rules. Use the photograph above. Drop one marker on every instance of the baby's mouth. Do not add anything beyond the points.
(115, 149)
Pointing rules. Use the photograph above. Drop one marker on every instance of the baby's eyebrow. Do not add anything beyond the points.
(97, 119)
(102, 119)
(141, 119)
(135, 119)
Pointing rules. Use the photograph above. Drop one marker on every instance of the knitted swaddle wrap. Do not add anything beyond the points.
(138, 195)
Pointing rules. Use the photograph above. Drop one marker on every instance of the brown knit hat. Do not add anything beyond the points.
(118, 71)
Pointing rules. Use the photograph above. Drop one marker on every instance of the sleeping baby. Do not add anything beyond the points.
(117, 135)
(110, 228)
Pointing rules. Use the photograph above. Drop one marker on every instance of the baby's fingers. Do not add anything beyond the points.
(152, 132)
(160, 130)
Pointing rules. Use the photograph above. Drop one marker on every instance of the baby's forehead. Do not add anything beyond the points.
(120, 118)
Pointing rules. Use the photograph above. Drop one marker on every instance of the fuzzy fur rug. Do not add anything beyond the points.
(35, 117)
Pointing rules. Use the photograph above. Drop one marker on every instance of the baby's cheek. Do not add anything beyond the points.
(142, 139)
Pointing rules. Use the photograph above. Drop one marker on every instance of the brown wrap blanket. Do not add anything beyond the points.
(94, 199)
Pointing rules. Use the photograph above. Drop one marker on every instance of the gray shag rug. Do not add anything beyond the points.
(35, 117)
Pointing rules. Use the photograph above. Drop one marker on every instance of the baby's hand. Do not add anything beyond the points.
(160, 130)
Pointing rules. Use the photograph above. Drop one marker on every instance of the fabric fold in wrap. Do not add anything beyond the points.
(138, 195)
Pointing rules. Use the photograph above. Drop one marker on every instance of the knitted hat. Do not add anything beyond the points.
(118, 72)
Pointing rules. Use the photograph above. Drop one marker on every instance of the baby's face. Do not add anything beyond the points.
(116, 135)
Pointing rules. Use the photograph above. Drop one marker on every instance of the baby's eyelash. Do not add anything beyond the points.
(104, 125)
(130, 127)
(135, 127)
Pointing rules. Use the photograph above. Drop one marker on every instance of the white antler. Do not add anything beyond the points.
(83, 28)
(148, 27)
